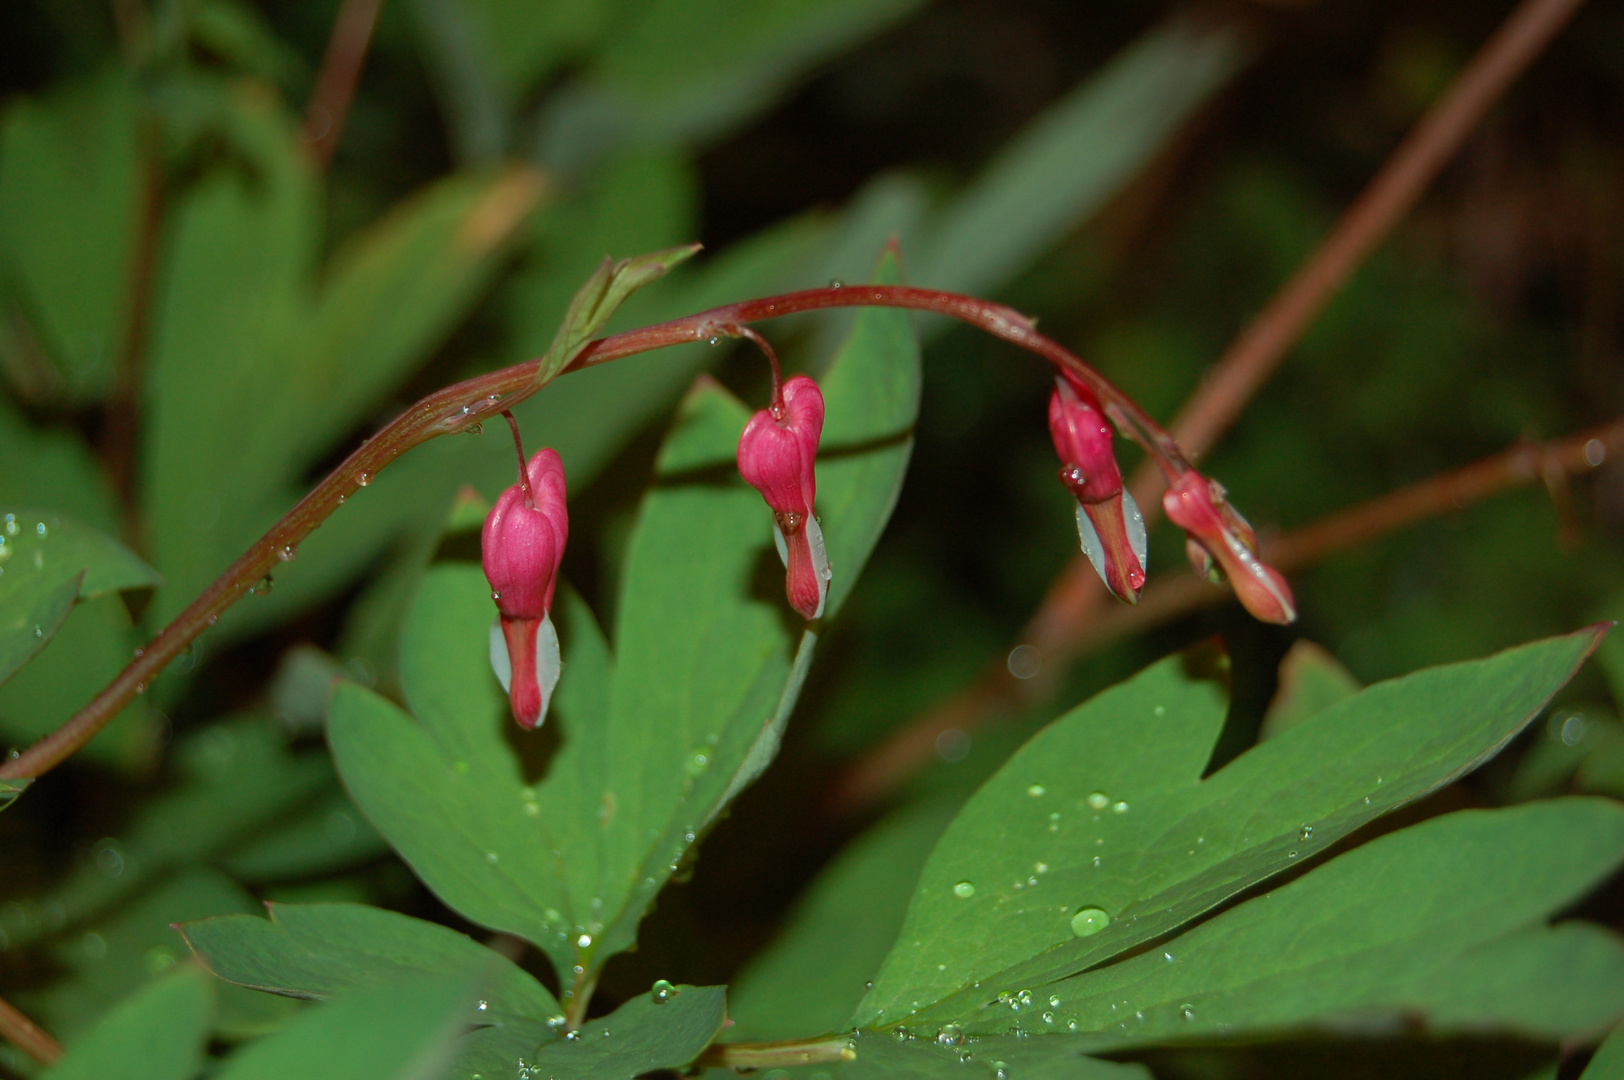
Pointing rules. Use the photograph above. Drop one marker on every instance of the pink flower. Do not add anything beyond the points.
(1216, 532)
(522, 545)
(776, 456)
(1109, 523)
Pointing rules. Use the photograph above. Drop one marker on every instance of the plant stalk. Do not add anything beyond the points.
(473, 401)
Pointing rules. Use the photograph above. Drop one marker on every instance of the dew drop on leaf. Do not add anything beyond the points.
(1098, 800)
(964, 889)
(1090, 920)
(662, 991)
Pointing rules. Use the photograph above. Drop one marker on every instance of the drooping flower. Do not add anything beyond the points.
(1109, 524)
(1219, 538)
(777, 453)
(521, 547)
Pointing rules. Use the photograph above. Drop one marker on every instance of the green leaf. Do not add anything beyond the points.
(54, 467)
(91, 646)
(596, 301)
(405, 1030)
(1107, 809)
(810, 978)
(882, 1057)
(322, 950)
(1078, 155)
(448, 790)
(307, 364)
(1608, 1063)
(685, 70)
(642, 1036)
(158, 1034)
(43, 544)
(10, 790)
(237, 777)
(105, 959)
(524, 42)
(1311, 680)
(70, 208)
(1442, 922)
(32, 608)
(569, 852)
(325, 836)
(871, 399)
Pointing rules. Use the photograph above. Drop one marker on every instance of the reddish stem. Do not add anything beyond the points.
(761, 343)
(27, 1036)
(518, 446)
(459, 407)
(340, 71)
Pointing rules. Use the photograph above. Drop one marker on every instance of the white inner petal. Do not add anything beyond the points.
(548, 664)
(1136, 529)
(499, 657)
(820, 561)
(1091, 541)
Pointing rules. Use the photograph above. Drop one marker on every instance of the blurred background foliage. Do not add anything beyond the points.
(197, 318)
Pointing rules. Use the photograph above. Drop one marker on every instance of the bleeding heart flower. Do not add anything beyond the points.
(522, 545)
(1109, 523)
(1216, 532)
(776, 456)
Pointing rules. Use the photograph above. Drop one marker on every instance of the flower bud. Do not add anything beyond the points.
(1109, 524)
(777, 452)
(521, 547)
(1219, 538)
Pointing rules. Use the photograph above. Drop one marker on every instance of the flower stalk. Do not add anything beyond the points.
(466, 404)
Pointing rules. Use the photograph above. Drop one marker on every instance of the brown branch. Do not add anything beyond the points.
(330, 102)
(1172, 598)
(121, 420)
(27, 1036)
(1076, 600)
(462, 406)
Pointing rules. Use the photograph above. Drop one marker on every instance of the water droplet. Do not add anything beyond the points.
(1024, 997)
(1097, 860)
(1305, 832)
(11, 525)
(714, 341)
(950, 1035)
(1024, 661)
(571, 1036)
(1160, 710)
(1037, 791)
(1291, 854)
(482, 1006)
(262, 586)
(1168, 957)
(1054, 1001)
(900, 1033)
(1040, 867)
(1088, 921)
(697, 762)
(140, 688)
(1187, 1011)
(662, 991)
(1119, 807)
(584, 941)
(1573, 730)
(964, 889)
(491, 857)
(39, 631)
(836, 283)
(1098, 800)
(287, 552)
(41, 529)
(364, 479)
(1000, 1071)
(342, 499)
